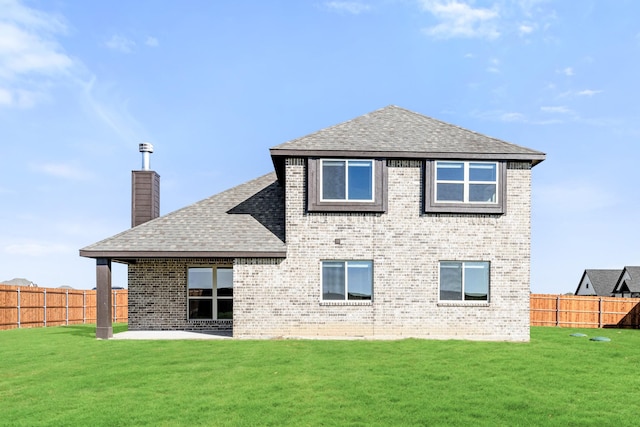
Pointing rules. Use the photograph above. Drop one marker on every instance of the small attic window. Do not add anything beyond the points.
(346, 185)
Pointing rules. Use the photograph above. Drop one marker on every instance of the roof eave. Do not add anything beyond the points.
(279, 154)
(180, 254)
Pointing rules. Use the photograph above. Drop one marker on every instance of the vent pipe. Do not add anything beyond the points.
(146, 149)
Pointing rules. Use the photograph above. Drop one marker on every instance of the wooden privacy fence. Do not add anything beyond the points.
(584, 312)
(25, 307)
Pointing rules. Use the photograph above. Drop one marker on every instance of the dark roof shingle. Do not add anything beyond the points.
(396, 131)
(247, 219)
(634, 274)
(603, 281)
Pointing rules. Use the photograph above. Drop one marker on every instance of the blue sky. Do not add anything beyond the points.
(214, 84)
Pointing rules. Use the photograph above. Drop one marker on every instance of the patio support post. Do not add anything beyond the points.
(104, 329)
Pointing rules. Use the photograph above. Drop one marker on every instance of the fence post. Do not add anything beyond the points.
(84, 307)
(45, 307)
(19, 308)
(558, 310)
(600, 312)
(67, 319)
(115, 306)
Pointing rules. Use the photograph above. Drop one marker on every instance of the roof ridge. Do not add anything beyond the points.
(395, 130)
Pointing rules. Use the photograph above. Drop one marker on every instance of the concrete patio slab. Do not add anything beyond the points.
(171, 335)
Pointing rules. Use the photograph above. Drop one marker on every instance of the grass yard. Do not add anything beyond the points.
(64, 376)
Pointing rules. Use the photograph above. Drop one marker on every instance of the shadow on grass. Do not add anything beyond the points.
(89, 331)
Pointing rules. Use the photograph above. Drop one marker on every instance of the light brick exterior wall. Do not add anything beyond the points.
(282, 298)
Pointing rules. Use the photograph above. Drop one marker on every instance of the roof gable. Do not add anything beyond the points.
(631, 278)
(602, 281)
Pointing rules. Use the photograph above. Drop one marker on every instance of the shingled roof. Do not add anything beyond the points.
(630, 279)
(247, 220)
(394, 132)
(603, 281)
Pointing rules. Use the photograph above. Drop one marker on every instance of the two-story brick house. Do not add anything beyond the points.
(389, 225)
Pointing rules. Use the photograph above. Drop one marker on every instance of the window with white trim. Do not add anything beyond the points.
(210, 293)
(464, 281)
(465, 187)
(347, 180)
(347, 280)
(466, 182)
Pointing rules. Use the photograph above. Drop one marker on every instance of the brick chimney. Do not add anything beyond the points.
(145, 190)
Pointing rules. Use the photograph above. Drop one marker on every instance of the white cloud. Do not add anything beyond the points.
(353, 7)
(585, 92)
(525, 29)
(568, 71)
(512, 117)
(557, 110)
(30, 56)
(112, 110)
(61, 170)
(459, 19)
(151, 41)
(494, 65)
(21, 98)
(6, 97)
(588, 92)
(120, 44)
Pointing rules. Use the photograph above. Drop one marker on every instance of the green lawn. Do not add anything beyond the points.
(64, 376)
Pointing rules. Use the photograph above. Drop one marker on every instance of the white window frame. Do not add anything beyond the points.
(214, 293)
(465, 301)
(346, 181)
(466, 183)
(346, 281)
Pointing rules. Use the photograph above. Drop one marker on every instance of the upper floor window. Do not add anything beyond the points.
(466, 182)
(349, 180)
(346, 185)
(465, 186)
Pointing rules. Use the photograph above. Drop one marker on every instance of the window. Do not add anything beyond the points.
(347, 280)
(466, 182)
(346, 185)
(464, 281)
(465, 186)
(350, 180)
(210, 293)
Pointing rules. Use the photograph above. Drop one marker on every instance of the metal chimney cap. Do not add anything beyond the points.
(145, 147)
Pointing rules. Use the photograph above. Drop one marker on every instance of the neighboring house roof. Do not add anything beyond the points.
(395, 132)
(631, 278)
(602, 281)
(18, 281)
(247, 220)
